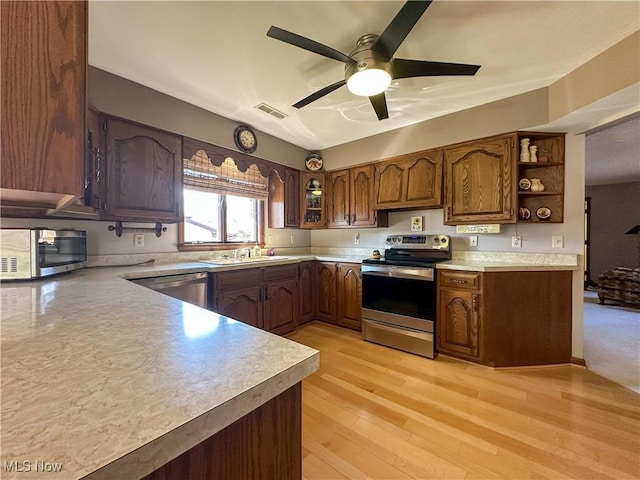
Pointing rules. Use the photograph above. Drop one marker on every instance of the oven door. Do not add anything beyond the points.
(404, 291)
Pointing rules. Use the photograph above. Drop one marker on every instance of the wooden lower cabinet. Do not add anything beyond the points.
(505, 319)
(265, 443)
(306, 291)
(265, 297)
(326, 281)
(349, 289)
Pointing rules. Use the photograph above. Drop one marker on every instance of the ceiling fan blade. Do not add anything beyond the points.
(307, 44)
(418, 68)
(319, 94)
(379, 103)
(389, 41)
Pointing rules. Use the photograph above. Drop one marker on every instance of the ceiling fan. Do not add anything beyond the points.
(370, 66)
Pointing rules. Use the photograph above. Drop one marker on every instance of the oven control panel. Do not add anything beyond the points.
(423, 242)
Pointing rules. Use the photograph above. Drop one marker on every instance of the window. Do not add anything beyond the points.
(222, 206)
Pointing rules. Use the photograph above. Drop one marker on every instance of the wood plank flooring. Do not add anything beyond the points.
(374, 412)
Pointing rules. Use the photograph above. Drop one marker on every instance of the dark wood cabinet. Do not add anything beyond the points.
(43, 68)
(284, 199)
(143, 173)
(409, 181)
(505, 319)
(480, 183)
(549, 170)
(306, 291)
(264, 297)
(326, 284)
(350, 199)
(349, 290)
(459, 323)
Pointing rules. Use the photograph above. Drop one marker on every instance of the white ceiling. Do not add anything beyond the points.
(216, 55)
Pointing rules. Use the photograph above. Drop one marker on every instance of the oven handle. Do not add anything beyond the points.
(425, 274)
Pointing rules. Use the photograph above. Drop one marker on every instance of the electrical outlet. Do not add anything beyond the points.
(270, 239)
(356, 238)
(516, 241)
(138, 240)
(473, 240)
(557, 241)
(293, 239)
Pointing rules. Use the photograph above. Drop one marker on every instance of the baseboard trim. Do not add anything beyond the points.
(578, 361)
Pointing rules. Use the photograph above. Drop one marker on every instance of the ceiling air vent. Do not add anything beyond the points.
(271, 111)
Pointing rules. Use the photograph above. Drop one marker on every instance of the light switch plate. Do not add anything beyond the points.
(138, 239)
(270, 239)
(356, 238)
(557, 241)
(293, 239)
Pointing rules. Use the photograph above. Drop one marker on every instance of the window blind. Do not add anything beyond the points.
(200, 173)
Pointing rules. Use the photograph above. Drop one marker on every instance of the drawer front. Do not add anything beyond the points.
(245, 278)
(458, 279)
(281, 272)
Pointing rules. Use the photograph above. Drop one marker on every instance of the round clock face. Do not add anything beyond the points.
(313, 162)
(245, 139)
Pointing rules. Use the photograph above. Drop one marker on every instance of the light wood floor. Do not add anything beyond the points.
(374, 412)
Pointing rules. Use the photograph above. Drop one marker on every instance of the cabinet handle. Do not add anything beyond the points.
(474, 303)
(455, 280)
(448, 213)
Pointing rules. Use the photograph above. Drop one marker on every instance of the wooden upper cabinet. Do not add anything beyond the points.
(350, 198)
(44, 67)
(409, 181)
(284, 199)
(480, 185)
(313, 197)
(143, 173)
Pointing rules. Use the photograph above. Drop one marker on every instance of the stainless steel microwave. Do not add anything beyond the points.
(27, 253)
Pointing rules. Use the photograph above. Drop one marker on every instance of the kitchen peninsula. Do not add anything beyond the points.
(102, 378)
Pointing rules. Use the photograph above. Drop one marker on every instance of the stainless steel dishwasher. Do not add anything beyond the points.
(188, 287)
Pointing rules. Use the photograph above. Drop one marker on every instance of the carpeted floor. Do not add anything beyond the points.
(612, 341)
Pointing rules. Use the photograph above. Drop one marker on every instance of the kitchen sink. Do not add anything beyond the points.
(238, 261)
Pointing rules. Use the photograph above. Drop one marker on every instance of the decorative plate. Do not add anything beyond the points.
(524, 213)
(313, 162)
(524, 184)
(543, 213)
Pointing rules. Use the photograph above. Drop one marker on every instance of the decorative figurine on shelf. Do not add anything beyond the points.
(533, 153)
(525, 156)
(536, 185)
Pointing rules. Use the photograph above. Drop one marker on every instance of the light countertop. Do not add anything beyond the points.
(112, 380)
(496, 266)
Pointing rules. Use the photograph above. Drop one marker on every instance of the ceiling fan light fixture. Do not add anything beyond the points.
(369, 82)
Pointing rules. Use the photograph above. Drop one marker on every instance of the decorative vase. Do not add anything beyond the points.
(533, 153)
(525, 156)
(536, 185)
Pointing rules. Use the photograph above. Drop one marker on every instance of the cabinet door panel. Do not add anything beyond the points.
(480, 184)
(326, 292)
(243, 305)
(306, 291)
(44, 64)
(144, 176)
(291, 197)
(338, 199)
(362, 196)
(350, 296)
(424, 179)
(281, 307)
(389, 184)
(458, 323)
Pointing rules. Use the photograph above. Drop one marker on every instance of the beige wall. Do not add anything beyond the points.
(614, 210)
(112, 94)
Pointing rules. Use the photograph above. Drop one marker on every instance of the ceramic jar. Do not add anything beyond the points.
(525, 156)
(536, 185)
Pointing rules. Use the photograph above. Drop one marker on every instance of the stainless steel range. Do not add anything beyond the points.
(399, 293)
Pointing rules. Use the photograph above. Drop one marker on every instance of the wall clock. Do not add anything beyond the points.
(245, 139)
(313, 162)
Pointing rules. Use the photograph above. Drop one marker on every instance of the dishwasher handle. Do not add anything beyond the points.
(168, 281)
